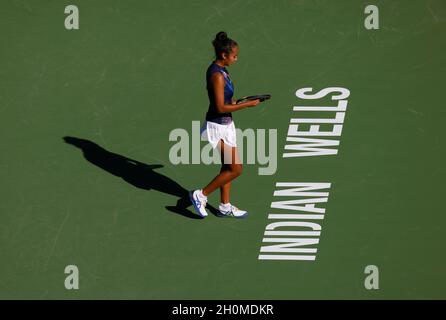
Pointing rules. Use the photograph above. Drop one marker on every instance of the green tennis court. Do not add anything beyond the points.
(87, 181)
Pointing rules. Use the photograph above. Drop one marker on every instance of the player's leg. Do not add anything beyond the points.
(226, 208)
(234, 168)
(226, 188)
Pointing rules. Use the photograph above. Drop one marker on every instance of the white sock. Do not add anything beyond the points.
(225, 205)
(201, 195)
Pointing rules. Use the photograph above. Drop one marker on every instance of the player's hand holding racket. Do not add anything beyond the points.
(252, 101)
(245, 104)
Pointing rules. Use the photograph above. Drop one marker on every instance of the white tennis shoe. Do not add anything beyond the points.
(228, 210)
(199, 201)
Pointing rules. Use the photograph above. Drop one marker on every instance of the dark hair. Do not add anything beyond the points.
(223, 44)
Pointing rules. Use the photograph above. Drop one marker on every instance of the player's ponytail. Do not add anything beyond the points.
(223, 44)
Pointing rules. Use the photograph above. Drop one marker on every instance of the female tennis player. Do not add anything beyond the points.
(219, 128)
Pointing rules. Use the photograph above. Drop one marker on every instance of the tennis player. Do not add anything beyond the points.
(219, 129)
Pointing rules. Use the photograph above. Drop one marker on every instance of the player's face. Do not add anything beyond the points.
(232, 56)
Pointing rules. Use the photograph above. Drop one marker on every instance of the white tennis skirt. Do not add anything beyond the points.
(214, 132)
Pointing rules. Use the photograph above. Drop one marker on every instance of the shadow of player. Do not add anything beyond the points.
(138, 174)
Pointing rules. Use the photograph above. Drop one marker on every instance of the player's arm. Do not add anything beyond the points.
(218, 83)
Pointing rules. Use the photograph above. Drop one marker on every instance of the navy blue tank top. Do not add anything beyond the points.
(212, 114)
